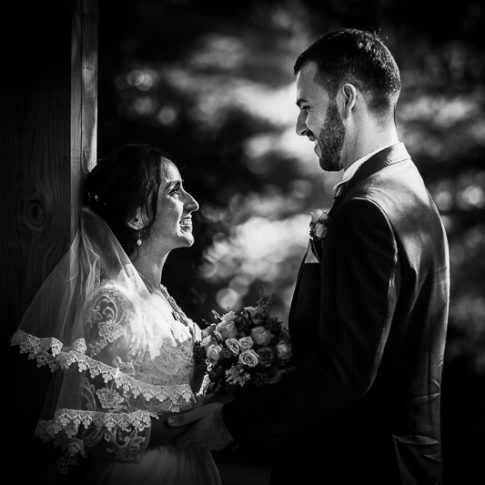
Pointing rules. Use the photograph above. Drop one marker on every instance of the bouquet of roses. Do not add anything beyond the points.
(247, 348)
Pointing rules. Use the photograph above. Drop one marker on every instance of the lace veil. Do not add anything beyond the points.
(55, 315)
(54, 332)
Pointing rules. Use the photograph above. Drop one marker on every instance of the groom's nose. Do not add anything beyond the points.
(301, 128)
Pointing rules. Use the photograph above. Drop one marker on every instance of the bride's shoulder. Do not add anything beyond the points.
(112, 294)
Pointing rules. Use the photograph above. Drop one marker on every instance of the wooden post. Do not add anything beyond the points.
(48, 120)
(47, 141)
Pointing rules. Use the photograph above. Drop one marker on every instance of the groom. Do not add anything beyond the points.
(369, 313)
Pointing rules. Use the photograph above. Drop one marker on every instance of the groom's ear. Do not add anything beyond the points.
(137, 222)
(346, 99)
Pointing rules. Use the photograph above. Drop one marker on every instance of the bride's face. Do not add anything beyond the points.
(172, 227)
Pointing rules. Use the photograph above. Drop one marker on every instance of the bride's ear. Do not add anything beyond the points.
(137, 222)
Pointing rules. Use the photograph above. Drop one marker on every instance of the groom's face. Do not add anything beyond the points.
(319, 118)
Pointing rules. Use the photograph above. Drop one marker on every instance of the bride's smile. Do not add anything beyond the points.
(186, 223)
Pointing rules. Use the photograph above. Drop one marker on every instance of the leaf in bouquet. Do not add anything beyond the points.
(237, 375)
(216, 315)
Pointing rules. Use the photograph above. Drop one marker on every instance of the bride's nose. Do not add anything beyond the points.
(190, 203)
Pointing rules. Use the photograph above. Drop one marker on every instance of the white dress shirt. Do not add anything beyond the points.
(350, 170)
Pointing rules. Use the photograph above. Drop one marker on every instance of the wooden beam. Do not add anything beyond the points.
(47, 142)
(48, 120)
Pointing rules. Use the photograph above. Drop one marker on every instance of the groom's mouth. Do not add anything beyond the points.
(317, 150)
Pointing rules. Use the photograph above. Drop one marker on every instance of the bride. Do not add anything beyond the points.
(119, 345)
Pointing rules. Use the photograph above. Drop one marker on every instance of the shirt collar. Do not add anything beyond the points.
(351, 169)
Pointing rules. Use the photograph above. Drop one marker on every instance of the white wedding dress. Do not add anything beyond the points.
(131, 367)
(128, 360)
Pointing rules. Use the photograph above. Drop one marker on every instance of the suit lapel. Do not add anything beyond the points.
(295, 292)
(390, 155)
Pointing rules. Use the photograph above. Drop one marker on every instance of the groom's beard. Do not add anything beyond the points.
(331, 139)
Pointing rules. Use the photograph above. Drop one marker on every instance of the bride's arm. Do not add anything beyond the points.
(100, 408)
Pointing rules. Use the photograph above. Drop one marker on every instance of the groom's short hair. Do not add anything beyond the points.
(358, 57)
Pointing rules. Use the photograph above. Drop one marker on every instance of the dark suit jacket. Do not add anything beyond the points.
(368, 325)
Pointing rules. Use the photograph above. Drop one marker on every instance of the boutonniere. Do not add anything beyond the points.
(318, 224)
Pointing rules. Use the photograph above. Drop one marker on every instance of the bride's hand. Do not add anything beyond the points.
(217, 397)
(162, 434)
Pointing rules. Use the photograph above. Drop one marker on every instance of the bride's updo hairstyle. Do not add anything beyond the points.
(124, 186)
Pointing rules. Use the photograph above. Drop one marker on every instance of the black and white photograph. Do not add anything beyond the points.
(243, 242)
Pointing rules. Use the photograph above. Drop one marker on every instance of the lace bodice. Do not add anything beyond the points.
(131, 338)
(134, 363)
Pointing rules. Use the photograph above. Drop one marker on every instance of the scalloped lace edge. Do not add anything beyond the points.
(70, 420)
(50, 351)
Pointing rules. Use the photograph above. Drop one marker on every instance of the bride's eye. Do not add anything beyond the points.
(175, 188)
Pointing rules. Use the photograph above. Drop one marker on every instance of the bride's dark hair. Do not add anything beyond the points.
(123, 185)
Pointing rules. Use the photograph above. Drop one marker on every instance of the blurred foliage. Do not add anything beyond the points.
(211, 82)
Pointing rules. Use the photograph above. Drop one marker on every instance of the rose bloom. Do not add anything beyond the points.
(213, 352)
(318, 223)
(227, 329)
(319, 229)
(251, 310)
(245, 343)
(206, 341)
(318, 215)
(208, 331)
(283, 350)
(261, 335)
(228, 317)
(249, 358)
(233, 345)
(266, 356)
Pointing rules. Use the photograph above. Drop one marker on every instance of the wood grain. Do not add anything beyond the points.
(48, 115)
(47, 142)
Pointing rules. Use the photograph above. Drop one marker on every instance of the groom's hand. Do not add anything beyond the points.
(208, 429)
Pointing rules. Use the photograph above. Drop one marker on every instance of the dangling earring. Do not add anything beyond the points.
(139, 241)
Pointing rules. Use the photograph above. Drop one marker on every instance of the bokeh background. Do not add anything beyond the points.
(211, 82)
